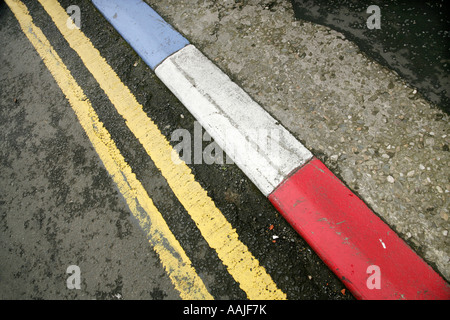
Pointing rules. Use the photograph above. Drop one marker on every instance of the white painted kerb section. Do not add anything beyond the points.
(264, 150)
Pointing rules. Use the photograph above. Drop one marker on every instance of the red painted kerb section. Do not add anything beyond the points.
(349, 237)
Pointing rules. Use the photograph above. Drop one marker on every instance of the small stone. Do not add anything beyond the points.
(334, 157)
(410, 173)
(429, 142)
(390, 179)
(421, 167)
(444, 215)
(445, 232)
(391, 85)
(439, 189)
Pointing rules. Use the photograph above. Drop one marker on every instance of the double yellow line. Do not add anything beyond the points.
(217, 231)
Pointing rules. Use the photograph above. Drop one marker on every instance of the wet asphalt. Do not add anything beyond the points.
(413, 38)
(59, 207)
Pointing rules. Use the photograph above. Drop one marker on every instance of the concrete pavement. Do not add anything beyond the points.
(385, 141)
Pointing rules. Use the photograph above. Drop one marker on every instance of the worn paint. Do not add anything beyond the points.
(263, 149)
(350, 248)
(172, 256)
(149, 35)
(217, 231)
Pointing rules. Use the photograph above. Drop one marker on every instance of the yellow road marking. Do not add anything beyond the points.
(172, 255)
(214, 227)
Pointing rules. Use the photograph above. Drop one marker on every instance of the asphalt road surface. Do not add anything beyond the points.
(60, 207)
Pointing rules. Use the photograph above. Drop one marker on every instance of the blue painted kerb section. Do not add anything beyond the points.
(148, 34)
